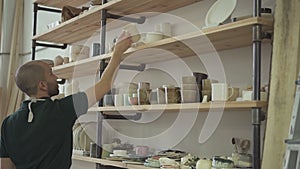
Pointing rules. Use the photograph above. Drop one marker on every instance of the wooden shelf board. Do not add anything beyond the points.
(61, 3)
(182, 107)
(108, 162)
(228, 36)
(132, 166)
(88, 23)
(99, 161)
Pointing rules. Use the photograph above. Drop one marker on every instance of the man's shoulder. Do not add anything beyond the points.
(12, 116)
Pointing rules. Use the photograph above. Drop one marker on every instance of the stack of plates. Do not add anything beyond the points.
(219, 12)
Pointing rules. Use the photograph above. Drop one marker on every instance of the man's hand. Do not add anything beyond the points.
(96, 92)
(123, 42)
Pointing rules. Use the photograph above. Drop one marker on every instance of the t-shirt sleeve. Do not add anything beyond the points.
(3, 152)
(77, 104)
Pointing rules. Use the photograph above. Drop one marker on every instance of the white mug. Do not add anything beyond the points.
(165, 28)
(118, 100)
(132, 29)
(220, 92)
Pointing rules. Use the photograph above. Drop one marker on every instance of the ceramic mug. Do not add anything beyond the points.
(118, 100)
(160, 93)
(108, 100)
(144, 96)
(172, 95)
(141, 151)
(165, 28)
(132, 29)
(220, 92)
(126, 97)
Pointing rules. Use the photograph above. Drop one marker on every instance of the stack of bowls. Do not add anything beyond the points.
(189, 89)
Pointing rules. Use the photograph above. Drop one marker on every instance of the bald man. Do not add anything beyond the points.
(39, 134)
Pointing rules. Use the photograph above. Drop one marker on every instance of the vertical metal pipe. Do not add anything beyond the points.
(102, 67)
(35, 10)
(256, 112)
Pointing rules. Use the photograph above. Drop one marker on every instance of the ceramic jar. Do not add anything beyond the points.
(172, 95)
(143, 96)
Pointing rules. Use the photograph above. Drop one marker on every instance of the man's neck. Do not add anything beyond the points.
(39, 96)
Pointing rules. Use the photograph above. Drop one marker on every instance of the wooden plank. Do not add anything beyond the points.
(88, 23)
(285, 68)
(132, 166)
(12, 89)
(229, 36)
(61, 3)
(99, 161)
(128, 7)
(180, 107)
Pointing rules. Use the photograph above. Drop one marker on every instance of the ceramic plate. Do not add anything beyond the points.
(219, 12)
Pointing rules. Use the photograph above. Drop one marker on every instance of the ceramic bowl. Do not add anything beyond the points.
(188, 96)
(192, 86)
(153, 37)
(188, 79)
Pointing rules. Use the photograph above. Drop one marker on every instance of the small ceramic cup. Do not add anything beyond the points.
(58, 60)
(132, 29)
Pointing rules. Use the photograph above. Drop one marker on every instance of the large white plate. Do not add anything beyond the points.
(219, 12)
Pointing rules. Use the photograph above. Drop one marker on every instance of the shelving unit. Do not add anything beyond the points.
(200, 107)
(228, 36)
(60, 3)
(88, 23)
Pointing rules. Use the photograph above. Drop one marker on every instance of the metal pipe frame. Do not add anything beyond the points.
(100, 115)
(49, 9)
(130, 67)
(256, 112)
(34, 44)
(102, 68)
(137, 116)
(140, 20)
(63, 46)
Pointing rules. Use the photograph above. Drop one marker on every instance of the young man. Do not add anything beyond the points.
(39, 134)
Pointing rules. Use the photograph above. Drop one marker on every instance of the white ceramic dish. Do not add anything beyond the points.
(219, 12)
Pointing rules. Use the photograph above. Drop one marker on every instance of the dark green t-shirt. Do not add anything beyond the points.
(46, 142)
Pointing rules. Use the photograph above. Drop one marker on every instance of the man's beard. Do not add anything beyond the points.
(53, 90)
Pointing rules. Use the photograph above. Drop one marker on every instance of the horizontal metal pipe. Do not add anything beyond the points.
(48, 9)
(64, 46)
(125, 18)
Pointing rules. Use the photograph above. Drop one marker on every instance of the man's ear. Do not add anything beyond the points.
(43, 85)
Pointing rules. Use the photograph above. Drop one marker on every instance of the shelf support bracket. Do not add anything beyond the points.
(63, 46)
(267, 35)
(135, 117)
(131, 67)
(140, 20)
(48, 9)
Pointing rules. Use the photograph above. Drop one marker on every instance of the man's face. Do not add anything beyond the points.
(51, 80)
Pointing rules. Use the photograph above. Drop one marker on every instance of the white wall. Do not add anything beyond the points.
(159, 130)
